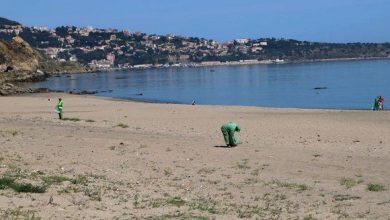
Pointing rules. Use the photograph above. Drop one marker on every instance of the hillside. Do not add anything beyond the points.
(111, 48)
(21, 62)
(18, 60)
(4, 22)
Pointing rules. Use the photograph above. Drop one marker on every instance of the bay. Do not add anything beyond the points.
(331, 85)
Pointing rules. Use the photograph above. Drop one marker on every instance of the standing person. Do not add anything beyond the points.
(228, 130)
(381, 102)
(59, 107)
(376, 104)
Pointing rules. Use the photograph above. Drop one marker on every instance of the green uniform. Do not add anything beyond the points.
(376, 104)
(59, 107)
(228, 130)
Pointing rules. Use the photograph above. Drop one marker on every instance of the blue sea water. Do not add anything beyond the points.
(345, 84)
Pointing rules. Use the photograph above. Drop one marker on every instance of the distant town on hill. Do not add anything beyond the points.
(112, 48)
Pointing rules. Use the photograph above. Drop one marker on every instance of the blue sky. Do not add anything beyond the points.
(313, 20)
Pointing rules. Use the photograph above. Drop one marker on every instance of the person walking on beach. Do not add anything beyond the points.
(228, 130)
(59, 107)
(381, 102)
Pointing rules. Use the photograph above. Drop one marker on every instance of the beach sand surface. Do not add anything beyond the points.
(115, 159)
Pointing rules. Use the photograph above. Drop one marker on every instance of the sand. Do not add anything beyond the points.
(170, 163)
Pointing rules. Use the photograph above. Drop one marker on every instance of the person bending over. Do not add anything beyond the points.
(228, 130)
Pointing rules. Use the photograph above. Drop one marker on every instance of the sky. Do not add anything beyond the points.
(222, 20)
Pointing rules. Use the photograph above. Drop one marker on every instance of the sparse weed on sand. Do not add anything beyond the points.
(375, 187)
(80, 179)
(6, 182)
(345, 197)
(340, 213)
(14, 214)
(9, 132)
(350, 182)
(300, 187)
(309, 217)
(175, 201)
(178, 215)
(168, 172)
(10, 182)
(50, 180)
(255, 172)
(206, 170)
(121, 125)
(93, 193)
(243, 164)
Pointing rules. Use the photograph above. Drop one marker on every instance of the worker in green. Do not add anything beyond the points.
(376, 104)
(228, 130)
(59, 107)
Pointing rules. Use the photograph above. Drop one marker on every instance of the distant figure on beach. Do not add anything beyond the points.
(193, 102)
(59, 107)
(228, 130)
(381, 102)
(376, 104)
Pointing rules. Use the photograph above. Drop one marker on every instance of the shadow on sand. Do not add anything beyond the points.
(224, 146)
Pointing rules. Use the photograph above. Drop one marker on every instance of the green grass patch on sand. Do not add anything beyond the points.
(121, 125)
(50, 180)
(79, 180)
(6, 182)
(300, 187)
(375, 187)
(345, 197)
(350, 182)
(11, 132)
(178, 215)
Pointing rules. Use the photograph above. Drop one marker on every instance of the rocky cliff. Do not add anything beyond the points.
(20, 62)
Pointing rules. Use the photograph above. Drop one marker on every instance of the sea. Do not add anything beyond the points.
(320, 85)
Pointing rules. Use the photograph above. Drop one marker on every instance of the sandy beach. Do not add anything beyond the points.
(114, 159)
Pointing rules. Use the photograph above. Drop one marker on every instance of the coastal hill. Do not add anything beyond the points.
(21, 62)
(112, 48)
(4, 22)
(18, 60)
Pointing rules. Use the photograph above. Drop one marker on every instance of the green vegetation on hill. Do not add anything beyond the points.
(20, 62)
(51, 66)
(4, 21)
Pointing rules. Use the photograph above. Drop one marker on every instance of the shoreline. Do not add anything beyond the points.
(217, 63)
(145, 101)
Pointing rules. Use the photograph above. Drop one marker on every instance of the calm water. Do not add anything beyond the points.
(350, 84)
